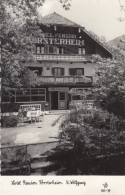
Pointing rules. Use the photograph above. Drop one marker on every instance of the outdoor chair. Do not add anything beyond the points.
(34, 116)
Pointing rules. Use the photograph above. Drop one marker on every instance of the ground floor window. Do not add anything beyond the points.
(30, 95)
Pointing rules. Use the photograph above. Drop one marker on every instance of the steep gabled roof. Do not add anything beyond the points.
(56, 19)
(103, 45)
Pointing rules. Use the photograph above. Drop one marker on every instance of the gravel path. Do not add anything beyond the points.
(32, 133)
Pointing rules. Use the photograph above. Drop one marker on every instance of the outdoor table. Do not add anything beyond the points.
(33, 114)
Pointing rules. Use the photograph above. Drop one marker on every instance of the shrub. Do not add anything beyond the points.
(9, 121)
(90, 136)
(16, 157)
(94, 129)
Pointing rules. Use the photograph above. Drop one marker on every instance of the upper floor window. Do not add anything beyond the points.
(58, 71)
(53, 49)
(50, 49)
(39, 49)
(76, 71)
(81, 51)
(47, 49)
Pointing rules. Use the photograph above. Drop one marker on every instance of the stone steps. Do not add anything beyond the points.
(41, 165)
(38, 164)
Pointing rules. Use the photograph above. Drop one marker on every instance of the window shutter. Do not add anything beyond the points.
(83, 51)
(62, 71)
(80, 50)
(54, 49)
(57, 50)
(53, 72)
(46, 48)
(70, 71)
(42, 50)
(82, 71)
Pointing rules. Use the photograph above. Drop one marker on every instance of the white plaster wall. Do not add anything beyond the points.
(89, 68)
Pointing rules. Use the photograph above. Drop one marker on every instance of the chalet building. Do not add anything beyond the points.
(64, 64)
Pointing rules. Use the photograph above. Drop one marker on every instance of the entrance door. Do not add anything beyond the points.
(54, 100)
(62, 100)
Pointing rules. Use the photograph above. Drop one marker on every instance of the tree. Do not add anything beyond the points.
(110, 85)
(92, 139)
(19, 23)
(16, 41)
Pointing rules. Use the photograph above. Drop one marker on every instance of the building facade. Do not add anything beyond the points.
(63, 64)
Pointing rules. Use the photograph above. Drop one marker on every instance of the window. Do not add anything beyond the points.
(62, 96)
(31, 95)
(38, 49)
(76, 71)
(37, 70)
(50, 49)
(57, 71)
(81, 51)
(61, 51)
(80, 71)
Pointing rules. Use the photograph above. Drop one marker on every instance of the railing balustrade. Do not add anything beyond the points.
(65, 80)
(50, 57)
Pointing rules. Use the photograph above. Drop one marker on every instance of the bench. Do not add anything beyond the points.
(31, 112)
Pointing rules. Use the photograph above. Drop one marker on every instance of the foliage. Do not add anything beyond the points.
(119, 42)
(110, 85)
(16, 41)
(66, 4)
(90, 140)
(9, 121)
(91, 136)
(19, 24)
(16, 157)
(95, 130)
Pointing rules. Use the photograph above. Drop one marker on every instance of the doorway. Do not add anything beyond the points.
(54, 100)
(62, 100)
(58, 100)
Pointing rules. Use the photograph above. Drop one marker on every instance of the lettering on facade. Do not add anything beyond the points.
(58, 39)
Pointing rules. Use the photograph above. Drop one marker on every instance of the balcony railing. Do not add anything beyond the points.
(70, 58)
(66, 80)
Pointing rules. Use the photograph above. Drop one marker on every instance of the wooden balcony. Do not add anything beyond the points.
(65, 58)
(67, 80)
